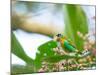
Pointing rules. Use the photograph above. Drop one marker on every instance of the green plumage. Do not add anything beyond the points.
(68, 46)
(65, 43)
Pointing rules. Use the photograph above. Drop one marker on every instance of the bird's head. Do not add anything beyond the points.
(58, 37)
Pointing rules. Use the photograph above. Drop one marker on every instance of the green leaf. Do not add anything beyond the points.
(57, 58)
(75, 20)
(45, 50)
(18, 50)
(21, 69)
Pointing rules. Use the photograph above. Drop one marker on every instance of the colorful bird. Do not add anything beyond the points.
(64, 43)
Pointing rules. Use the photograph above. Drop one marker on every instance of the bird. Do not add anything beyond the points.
(64, 43)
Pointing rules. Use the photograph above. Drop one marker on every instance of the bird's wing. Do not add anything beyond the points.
(68, 46)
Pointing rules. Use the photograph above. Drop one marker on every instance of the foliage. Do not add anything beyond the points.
(75, 20)
(45, 50)
(17, 49)
(21, 69)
